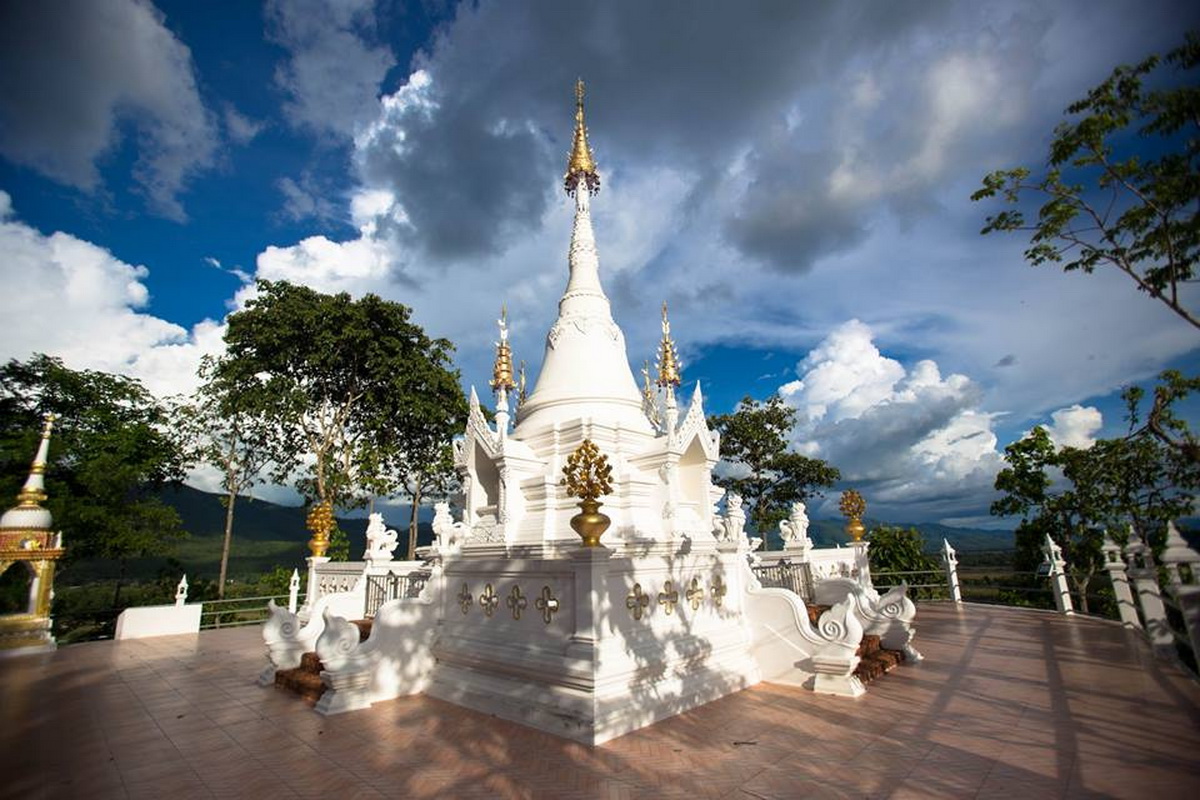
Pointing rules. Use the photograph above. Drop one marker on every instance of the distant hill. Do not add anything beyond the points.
(829, 532)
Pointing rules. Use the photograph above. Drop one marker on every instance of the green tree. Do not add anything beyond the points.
(113, 450)
(223, 432)
(1136, 213)
(353, 388)
(895, 549)
(754, 440)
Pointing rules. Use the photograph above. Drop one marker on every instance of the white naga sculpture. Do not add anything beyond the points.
(450, 534)
(380, 540)
(733, 521)
(794, 530)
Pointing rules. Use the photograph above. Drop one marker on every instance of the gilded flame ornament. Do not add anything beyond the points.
(668, 363)
(502, 369)
(320, 522)
(853, 507)
(581, 167)
(588, 476)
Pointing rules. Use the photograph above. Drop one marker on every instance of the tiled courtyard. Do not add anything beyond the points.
(1009, 703)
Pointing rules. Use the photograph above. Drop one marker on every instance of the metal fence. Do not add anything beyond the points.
(786, 575)
(926, 584)
(235, 611)
(383, 588)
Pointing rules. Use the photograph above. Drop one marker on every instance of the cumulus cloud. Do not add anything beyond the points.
(80, 303)
(914, 441)
(73, 72)
(1075, 426)
(333, 70)
(241, 128)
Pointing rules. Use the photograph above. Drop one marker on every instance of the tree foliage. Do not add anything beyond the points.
(1137, 213)
(223, 432)
(895, 549)
(112, 450)
(1076, 495)
(754, 441)
(354, 388)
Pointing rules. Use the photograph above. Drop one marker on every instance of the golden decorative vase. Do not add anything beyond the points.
(855, 528)
(853, 507)
(590, 524)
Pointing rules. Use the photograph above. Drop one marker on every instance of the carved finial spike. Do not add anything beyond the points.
(668, 356)
(581, 168)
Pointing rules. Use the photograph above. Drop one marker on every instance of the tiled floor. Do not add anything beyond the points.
(1007, 704)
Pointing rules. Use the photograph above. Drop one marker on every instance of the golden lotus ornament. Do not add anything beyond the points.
(320, 522)
(853, 507)
(588, 475)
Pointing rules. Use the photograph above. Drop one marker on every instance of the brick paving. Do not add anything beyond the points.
(1008, 703)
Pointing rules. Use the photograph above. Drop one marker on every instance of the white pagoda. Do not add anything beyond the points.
(593, 634)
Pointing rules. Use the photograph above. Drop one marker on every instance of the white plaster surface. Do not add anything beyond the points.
(141, 622)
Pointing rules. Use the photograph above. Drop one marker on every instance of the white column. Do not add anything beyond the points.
(950, 560)
(1058, 577)
(293, 591)
(313, 590)
(181, 591)
(1144, 573)
(1115, 566)
(591, 569)
(862, 564)
(1183, 584)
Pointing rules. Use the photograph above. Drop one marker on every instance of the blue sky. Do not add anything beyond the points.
(792, 177)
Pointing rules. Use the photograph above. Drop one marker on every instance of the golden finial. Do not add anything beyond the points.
(521, 384)
(668, 358)
(580, 165)
(320, 522)
(853, 507)
(588, 476)
(502, 371)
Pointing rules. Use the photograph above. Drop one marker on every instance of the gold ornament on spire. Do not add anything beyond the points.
(33, 493)
(668, 363)
(502, 370)
(853, 507)
(588, 476)
(580, 165)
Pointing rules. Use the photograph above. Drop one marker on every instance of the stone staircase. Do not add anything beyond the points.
(305, 680)
(874, 659)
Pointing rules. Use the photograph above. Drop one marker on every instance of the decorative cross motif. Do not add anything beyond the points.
(489, 600)
(668, 597)
(718, 590)
(637, 601)
(464, 599)
(695, 594)
(516, 601)
(547, 604)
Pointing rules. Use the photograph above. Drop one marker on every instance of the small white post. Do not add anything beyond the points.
(312, 591)
(862, 564)
(950, 560)
(1058, 577)
(1120, 583)
(1184, 586)
(293, 591)
(181, 591)
(1144, 573)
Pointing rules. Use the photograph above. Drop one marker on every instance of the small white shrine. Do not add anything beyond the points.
(590, 586)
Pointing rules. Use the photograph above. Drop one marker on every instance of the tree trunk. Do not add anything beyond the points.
(120, 581)
(230, 499)
(412, 523)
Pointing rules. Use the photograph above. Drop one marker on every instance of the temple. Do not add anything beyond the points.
(591, 585)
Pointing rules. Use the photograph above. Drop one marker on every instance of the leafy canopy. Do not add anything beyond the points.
(112, 449)
(754, 440)
(1137, 213)
(357, 393)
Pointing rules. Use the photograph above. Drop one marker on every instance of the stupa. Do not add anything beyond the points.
(28, 541)
(536, 611)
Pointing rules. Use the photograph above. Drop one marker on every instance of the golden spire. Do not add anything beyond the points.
(668, 359)
(502, 370)
(580, 165)
(33, 493)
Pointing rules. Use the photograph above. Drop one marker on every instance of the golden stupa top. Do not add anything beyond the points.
(580, 164)
(28, 513)
(502, 369)
(668, 358)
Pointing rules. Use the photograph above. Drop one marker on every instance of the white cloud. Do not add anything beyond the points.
(1075, 426)
(80, 303)
(914, 442)
(76, 71)
(241, 128)
(333, 71)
